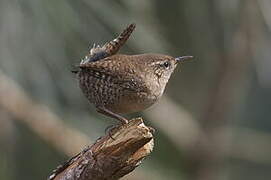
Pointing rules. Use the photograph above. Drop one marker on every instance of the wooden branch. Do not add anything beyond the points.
(110, 158)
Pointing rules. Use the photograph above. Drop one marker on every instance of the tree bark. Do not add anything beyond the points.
(111, 156)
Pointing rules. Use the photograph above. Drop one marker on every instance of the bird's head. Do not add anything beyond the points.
(162, 66)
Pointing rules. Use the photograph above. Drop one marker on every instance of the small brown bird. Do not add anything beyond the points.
(121, 84)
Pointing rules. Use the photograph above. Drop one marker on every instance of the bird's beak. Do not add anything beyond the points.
(183, 58)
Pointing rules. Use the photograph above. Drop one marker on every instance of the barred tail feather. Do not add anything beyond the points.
(113, 46)
(97, 53)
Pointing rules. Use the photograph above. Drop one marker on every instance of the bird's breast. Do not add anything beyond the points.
(131, 102)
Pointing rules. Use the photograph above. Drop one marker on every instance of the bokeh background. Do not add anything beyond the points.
(214, 121)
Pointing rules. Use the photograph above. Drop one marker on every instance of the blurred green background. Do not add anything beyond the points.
(214, 121)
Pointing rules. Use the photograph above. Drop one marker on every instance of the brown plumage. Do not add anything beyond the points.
(122, 84)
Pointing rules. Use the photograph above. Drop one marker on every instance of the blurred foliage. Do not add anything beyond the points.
(227, 85)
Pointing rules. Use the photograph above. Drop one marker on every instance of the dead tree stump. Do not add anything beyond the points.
(110, 158)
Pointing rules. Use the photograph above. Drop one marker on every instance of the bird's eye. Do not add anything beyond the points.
(166, 64)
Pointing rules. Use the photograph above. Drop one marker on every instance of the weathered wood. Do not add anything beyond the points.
(110, 158)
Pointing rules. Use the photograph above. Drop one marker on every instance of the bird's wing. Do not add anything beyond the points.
(112, 70)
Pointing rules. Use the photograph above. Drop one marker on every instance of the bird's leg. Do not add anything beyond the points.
(109, 113)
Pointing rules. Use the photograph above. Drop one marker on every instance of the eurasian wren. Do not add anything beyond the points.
(121, 84)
